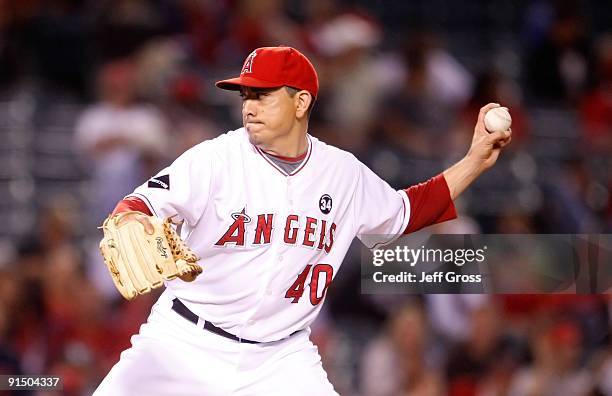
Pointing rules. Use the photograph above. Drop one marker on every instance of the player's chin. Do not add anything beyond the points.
(256, 132)
(255, 138)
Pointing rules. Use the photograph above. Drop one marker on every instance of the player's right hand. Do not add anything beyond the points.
(486, 147)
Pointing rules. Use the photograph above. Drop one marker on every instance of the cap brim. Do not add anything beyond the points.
(234, 84)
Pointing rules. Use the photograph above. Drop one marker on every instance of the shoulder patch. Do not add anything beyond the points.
(160, 182)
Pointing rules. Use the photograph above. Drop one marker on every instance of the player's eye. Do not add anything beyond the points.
(261, 93)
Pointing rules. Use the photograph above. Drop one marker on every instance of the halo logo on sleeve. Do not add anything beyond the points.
(160, 182)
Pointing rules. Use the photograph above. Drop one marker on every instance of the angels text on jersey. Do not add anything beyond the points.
(296, 230)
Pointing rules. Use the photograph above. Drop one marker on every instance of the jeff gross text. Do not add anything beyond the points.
(412, 257)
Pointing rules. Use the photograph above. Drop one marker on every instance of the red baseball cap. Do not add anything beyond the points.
(271, 67)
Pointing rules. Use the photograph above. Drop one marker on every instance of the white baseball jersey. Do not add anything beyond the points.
(270, 243)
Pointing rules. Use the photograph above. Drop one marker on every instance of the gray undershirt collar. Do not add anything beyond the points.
(287, 166)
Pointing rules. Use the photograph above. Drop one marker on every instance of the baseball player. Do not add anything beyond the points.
(270, 211)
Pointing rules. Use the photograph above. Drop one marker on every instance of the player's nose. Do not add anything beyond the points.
(249, 108)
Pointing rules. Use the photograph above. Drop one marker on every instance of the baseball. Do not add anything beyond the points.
(497, 119)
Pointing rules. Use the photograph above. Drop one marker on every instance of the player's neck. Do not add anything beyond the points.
(289, 146)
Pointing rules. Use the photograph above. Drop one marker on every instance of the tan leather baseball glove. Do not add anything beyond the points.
(139, 261)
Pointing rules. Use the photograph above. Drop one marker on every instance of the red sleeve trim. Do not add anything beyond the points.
(132, 204)
(430, 203)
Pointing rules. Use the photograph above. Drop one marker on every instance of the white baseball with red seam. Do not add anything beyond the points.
(498, 119)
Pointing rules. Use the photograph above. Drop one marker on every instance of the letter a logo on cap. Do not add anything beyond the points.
(248, 63)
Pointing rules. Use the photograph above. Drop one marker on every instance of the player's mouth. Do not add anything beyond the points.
(252, 124)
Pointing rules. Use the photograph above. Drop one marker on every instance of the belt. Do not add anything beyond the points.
(181, 309)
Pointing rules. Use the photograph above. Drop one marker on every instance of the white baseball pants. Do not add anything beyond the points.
(172, 356)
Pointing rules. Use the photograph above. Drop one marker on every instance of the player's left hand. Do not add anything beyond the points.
(486, 146)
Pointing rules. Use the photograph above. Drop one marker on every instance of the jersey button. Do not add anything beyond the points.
(268, 292)
(280, 258)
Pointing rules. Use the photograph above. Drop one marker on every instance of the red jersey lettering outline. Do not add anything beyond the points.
(310, 230)
(293, 238)
(332, 229)
(322, 237)
(235, 232)
(264, 229)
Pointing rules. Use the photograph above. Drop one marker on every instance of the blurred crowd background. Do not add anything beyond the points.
(96, 96)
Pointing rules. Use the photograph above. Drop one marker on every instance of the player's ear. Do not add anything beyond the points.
(302, 101)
